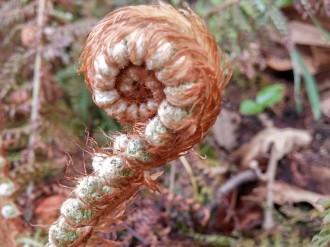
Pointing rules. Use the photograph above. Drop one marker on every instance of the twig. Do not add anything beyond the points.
(254, 165)
(193, 181)
(231, 184)
(36, 79)
(1, 141)
(221, 7)
(172, 178)
(172, 181)
(249, 176)
(268, 178)
(271, 172)
(2, 148)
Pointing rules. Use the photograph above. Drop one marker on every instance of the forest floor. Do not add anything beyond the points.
(255, 180)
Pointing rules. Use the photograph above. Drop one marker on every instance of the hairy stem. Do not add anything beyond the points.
(160, 71)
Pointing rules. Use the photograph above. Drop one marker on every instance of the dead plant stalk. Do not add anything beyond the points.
(270, 177)
(36, 80)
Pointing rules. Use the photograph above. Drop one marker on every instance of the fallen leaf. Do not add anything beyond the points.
(306, 34)
(283, 141)
(310, 42)
(280, 60)
(321, 57)
(249, 220)
(284, 193)
(225, 129)
(321, 178)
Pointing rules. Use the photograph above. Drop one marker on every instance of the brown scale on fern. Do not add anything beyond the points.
(158, 70)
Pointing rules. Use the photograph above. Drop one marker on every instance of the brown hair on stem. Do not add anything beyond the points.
(160, 71)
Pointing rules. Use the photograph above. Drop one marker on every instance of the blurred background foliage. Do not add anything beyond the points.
(266, 41)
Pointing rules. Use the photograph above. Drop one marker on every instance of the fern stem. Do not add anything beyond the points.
(36, 79)
(159, 71)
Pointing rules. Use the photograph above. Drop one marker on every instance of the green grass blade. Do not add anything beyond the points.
(310, 84)
(297, 82)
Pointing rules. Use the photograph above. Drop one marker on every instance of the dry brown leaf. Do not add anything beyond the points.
(249, 220)
(321, 177)
(310, 42)
(225, 129)
(284, 193)
(321, 57)
(280, 60)
(306, 34)
(283, 141)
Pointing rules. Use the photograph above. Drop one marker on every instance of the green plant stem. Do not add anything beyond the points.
(297, 82)
(310, 83)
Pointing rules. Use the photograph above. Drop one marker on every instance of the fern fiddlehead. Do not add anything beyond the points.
(159, 71)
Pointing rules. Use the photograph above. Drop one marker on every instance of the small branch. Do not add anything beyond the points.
(253, 175)
(172, 181)
(271, 172)
(254, 165)
(172, 178)
(2, 148)
(36, 79)
(1, 143)
(231, 184)
(220, 8)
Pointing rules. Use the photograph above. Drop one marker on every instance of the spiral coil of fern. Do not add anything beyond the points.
(160, 71)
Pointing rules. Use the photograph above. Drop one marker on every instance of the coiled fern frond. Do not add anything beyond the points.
(158, 71)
